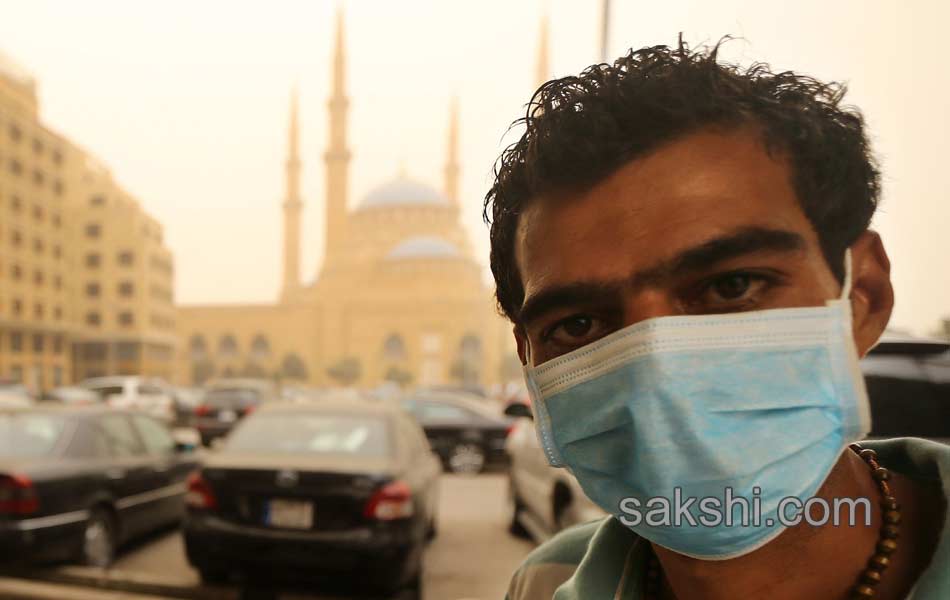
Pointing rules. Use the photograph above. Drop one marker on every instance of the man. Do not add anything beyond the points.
(683, 248)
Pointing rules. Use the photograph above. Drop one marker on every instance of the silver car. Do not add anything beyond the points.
(542, 500)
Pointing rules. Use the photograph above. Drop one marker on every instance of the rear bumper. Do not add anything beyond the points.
(56, 537)
(386, 558)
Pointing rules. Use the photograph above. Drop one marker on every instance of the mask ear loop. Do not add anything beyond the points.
(846, 286)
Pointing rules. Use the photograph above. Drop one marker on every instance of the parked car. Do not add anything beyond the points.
(332, 491)
(73, 396)
(228, 401)
(908, 382)
(464, 432)
(542, 500)
(14, 395)
(77, 482)
(150, 395)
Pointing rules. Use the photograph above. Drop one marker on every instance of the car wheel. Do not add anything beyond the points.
(515, 507)
(467, 458)
(98, 539)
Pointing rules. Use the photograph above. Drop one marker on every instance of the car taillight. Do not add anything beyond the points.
(17, 495)
(249, 409)
(509, 429)
(202, 410)
(200, 494)
(390, 502)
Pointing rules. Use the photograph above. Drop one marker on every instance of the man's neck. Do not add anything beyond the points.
(820, 562)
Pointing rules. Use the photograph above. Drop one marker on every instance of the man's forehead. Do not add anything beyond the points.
(680, 195)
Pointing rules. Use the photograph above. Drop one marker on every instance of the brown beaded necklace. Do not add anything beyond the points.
(866, 585)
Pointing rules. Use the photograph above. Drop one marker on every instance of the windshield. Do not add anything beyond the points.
(303, 433)
(29, 435)
(232, 398)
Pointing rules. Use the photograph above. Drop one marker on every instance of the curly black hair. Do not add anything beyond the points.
(579, 129)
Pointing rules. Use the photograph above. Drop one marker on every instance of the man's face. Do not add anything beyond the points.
(708, 223)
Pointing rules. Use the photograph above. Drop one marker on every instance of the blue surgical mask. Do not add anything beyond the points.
(763, 403)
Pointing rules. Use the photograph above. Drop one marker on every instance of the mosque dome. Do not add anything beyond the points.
(423, 247)
(403, 191)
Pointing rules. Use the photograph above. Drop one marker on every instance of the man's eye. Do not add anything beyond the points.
(732, 289)
(574, 331)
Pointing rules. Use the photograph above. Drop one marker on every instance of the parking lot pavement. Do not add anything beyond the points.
(472, 557)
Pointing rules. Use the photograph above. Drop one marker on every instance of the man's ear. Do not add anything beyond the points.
(522, 340)
(872, 296)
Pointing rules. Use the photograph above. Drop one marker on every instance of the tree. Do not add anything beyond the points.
(293, 367)
(398, 375)
(202, 370)
(347, 371)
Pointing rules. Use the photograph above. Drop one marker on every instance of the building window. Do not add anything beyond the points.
(16, 238)
(93, 351)
(38, 245)
(15, 133)
(58, 187)
(37, 343)
(16, 204)
(97, 200)
(92, 260)
(17, 307)
(93, 230)
(16, 341)
(92, 289)
(15, 167)
(38, 311)
(57, 157)
(38, 146)
(126, 258)
(58, 282)
(126, 319)
(38, 177)
(38, 278)
(227, 347)
(57, 220)
(37, 212)
(58, 313)
(17, 272)
(16, 373)
(127, 350)
(92, 319)
(126, 289)
(57, 251)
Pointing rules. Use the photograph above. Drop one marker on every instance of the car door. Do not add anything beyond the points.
(169, 467)
(424, 465)
(130, 477)
(535, 477)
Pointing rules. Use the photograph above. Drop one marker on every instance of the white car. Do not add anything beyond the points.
(14, 395)
(149, 395)
(542, 500)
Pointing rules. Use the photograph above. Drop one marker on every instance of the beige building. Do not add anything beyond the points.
(85, 280)
(399, 296)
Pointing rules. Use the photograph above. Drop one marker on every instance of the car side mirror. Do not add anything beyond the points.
(517, 409)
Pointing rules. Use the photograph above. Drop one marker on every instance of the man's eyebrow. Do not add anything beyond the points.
(737, 243)
(554, 297)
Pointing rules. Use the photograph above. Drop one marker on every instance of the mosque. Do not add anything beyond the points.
(399, 297)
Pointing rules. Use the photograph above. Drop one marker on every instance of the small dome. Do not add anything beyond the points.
(423, 247)
(403, 191)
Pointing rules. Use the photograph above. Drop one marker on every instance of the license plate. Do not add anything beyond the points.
(227, 416)
(290, 514)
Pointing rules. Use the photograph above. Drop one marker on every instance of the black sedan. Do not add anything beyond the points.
(228, 401)
(75, 483)
(334, 492)
(466, 434)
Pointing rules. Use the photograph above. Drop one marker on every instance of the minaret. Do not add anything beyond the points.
(452, 158)
(337, 156)
(292, 206)
(543, 72)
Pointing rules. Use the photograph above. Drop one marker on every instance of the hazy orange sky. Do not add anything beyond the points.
(187, 102)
